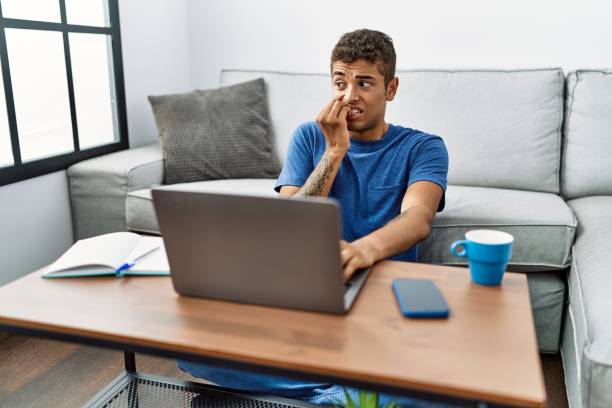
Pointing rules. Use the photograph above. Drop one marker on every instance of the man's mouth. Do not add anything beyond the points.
(354, 114)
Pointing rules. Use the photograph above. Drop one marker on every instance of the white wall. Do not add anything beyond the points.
(299, 35)
(155, 40)
(36, 224)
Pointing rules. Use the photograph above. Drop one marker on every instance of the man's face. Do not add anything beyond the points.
(363, 87)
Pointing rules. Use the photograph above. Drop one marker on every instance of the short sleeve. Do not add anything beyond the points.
(430, 163)
(299, 161)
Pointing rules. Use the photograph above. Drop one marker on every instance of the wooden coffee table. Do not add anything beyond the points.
(486, 351)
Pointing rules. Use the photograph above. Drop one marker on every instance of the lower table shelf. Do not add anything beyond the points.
(135, 390)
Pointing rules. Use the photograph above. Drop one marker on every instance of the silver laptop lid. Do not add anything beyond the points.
(270, 251)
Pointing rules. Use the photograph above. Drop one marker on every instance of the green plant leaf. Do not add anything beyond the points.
(363, 399)
(391, 404)
(367, 399)
(349, 400)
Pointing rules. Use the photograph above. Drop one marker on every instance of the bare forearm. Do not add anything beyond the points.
(321, 179)
(403, 232)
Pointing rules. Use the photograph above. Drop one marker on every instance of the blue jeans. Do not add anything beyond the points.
(316, 393)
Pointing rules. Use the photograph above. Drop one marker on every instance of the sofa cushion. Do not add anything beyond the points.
(502, 128)
(216, 134)
(590, 289)
(140, 214)
(541, 223)
(588, 135)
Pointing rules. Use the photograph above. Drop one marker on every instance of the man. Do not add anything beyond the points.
(389, 180)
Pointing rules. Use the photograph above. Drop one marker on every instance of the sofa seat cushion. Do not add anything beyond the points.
(140, 214)
(590, 297)
(541, 223)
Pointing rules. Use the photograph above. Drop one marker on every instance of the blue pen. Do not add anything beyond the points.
(122, 268)
(127, 265)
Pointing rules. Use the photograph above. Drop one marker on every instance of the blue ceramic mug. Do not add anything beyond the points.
(487, 252)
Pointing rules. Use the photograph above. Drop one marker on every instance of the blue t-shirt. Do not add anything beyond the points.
(373, 177)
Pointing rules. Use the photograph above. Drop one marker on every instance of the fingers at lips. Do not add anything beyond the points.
(328, 107)
(336, 110)
(344, 111)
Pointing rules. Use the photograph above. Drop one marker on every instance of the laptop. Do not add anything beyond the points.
(271, 251)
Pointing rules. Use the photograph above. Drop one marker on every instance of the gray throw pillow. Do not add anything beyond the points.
(216, 134)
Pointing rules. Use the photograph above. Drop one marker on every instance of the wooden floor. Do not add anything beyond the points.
(44, 373)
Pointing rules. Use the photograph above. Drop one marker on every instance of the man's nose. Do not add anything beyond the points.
(350, 95)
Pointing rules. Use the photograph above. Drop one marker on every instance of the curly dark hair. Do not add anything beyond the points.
(373, 46)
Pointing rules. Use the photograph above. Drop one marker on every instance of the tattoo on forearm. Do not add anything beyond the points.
(315, 184)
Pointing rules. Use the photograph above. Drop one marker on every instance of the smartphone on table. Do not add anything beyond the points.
(419, 298)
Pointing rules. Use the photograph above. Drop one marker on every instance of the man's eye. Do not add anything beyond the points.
(364, 84)
(339, 84)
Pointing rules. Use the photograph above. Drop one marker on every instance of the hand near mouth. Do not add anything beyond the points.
(332, 121)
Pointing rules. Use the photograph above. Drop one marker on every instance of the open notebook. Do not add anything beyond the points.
(117, 253)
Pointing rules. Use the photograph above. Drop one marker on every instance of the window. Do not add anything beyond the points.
(62, 84)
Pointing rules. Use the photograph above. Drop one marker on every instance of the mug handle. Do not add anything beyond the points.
(463, 243)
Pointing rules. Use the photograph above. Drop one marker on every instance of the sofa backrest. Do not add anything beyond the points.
(502, 128)
(587, 151)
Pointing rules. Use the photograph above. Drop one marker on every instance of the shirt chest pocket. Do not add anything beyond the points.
(385, 202)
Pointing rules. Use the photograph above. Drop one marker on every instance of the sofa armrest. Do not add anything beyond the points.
(98, 187)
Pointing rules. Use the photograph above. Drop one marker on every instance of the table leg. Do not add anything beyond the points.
(130, 361)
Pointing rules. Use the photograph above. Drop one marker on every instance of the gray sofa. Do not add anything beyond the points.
(530, 153)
